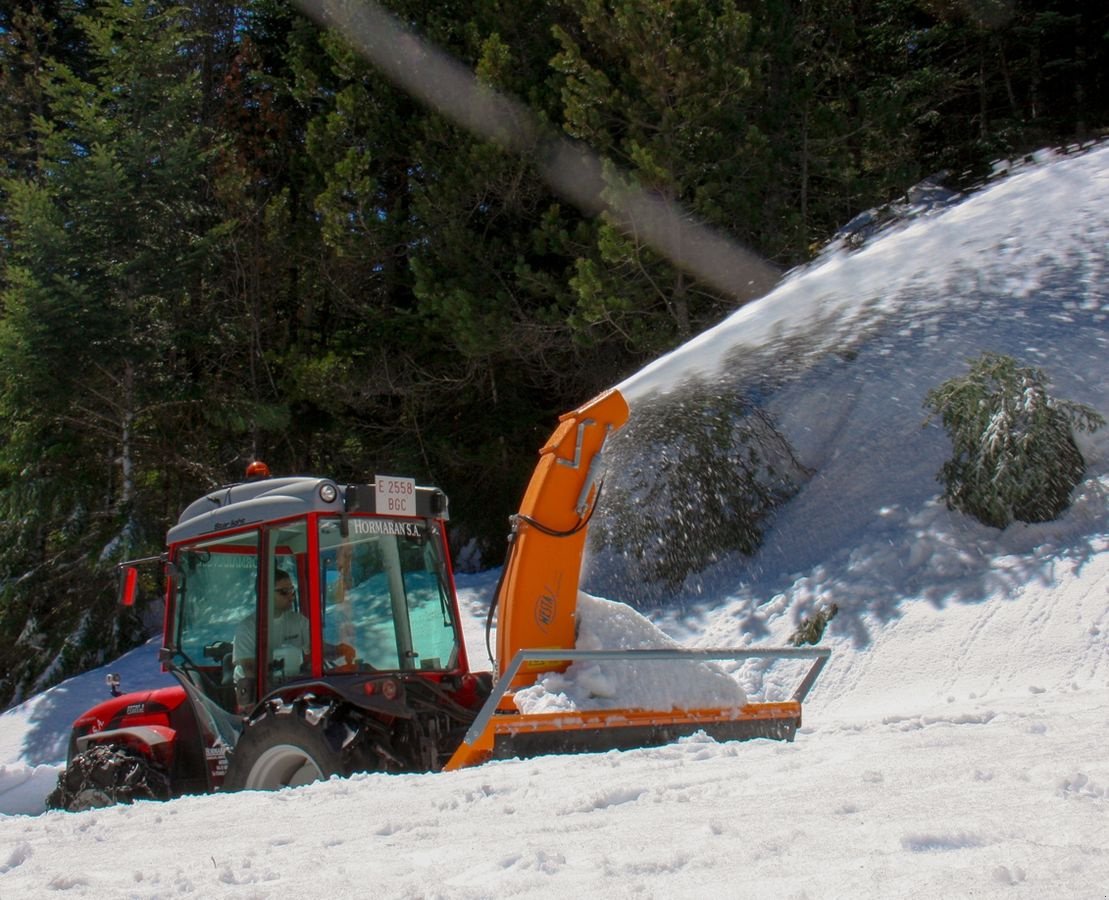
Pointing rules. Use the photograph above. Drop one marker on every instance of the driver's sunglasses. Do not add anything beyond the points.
(286, 591)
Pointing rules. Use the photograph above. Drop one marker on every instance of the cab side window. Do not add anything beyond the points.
(215, 583)
(285, 605)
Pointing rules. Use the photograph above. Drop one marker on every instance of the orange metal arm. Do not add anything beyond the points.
(537, 604)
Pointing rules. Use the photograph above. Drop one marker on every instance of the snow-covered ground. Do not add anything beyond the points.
(955, 745)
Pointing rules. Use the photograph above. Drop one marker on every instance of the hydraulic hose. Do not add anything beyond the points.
(515, 520)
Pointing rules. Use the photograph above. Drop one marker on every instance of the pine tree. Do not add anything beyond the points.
(664, 91)
(110, 238)
(1015, 457)
(446, 293)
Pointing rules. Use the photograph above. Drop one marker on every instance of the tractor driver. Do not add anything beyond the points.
(288, 632)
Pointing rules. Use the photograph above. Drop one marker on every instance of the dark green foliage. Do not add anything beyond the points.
(1014, 454)
(111, 241)
(693, 477)
(225, 235)
(664, 91)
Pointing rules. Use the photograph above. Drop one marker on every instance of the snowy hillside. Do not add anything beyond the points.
(955, 744)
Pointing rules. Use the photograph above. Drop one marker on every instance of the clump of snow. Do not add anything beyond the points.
(23, 787)
(628, 684)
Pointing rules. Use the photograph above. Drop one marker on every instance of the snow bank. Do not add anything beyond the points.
(610, 684)
(1006, 242)
(24, 788)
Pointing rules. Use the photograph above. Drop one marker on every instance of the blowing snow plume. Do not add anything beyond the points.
(968, 259)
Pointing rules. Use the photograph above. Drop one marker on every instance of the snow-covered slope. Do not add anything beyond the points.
(954, 745)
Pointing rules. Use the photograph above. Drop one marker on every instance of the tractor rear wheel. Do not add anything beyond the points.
(104, 775)
(287, 746)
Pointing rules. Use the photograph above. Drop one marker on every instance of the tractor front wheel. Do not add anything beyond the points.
(287, 746)
(104, 775)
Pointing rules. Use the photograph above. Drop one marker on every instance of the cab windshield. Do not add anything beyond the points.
(385, 593)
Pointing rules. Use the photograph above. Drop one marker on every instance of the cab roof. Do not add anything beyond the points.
(271, 499)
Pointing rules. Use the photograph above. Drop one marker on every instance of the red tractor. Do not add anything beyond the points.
(314, 631)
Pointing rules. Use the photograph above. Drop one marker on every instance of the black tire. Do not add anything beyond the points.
(287, 746)
(105, 775)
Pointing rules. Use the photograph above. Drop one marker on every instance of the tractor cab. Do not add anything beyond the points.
(283, 580)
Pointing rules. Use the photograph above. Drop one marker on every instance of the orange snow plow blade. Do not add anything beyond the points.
(502, 732)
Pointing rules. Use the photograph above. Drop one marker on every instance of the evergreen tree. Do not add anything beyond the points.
(1014, 451)
(447, 352)
(110, 242)
(663, 90)
(29, 37)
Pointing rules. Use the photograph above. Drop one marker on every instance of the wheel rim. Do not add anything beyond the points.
(283, 765)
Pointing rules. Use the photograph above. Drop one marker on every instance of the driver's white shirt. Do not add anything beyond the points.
(289, 629)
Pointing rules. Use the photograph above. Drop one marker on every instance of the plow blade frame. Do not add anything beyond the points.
(501, 732)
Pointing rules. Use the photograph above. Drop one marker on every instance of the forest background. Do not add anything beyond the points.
(225, 236)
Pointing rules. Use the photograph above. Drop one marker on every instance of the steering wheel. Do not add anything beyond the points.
(344, 652)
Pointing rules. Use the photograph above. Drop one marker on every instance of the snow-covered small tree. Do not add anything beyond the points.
(1015, 455)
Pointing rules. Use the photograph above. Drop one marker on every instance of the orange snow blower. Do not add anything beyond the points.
(537, 601)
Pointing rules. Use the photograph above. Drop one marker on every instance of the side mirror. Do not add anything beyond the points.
(128, 582)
